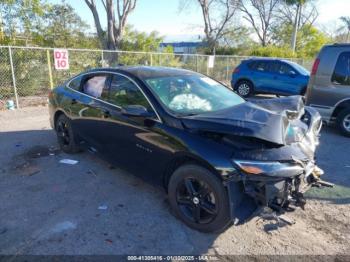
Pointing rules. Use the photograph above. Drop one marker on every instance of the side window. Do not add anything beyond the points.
(285, 69)
(75, 83)
(261, 66)
(341, 74)
(96, 86)
(252, 65)
(123, 92)
(274, 67)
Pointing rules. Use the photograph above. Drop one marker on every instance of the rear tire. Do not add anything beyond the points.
(199, 199)
(244, 88)
(343, 122)
(65, 135)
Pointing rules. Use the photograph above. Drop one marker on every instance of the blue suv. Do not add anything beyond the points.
(269, 76)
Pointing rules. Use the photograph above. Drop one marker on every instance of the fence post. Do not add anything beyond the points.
(102, 62)
(49, 67)
(197, 63)
(13, 78)
(151, 59)
(227, 71)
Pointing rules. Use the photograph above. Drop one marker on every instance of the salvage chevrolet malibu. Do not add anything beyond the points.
(208, 147)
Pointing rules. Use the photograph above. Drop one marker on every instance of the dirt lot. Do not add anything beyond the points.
(51, 208)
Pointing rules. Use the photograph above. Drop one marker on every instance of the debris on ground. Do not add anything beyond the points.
(37, 151)
(103, 207)
(109, 241)
(26, 168)
(91, 172)
(68, 161)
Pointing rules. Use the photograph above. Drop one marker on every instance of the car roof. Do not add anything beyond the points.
(144, 72)
(338, 45)
(268, 59)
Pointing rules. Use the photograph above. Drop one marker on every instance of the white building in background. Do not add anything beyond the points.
(183, 47)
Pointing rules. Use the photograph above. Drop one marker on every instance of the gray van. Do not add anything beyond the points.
(329, 86)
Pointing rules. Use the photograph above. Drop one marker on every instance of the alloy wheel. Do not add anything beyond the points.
(196, 201)
(63, 132)
(243, 89)
(346, 122)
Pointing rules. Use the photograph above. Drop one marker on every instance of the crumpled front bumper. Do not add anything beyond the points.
(284, 193)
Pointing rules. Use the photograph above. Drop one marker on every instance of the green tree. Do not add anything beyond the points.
(64, 28)
(309, 39)
(140, 41)
(21, 19)
(272, 51)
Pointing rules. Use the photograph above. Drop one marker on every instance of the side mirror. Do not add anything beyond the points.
(137, 111)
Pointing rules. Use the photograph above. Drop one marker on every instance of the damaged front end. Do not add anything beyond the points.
(273, 143)
(280, 186)
(278, 176)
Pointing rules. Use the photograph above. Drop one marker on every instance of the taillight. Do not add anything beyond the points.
(315, 67)
(236, 70)
(50, 95)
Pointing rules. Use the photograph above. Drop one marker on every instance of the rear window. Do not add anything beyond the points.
(341, 74)
(96, 86)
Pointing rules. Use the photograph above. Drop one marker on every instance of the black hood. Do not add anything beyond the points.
(267, 119)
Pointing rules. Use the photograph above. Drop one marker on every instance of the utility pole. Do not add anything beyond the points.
(295, 29)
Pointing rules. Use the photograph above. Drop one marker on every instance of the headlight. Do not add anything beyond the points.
(276, 169)
(294, 134)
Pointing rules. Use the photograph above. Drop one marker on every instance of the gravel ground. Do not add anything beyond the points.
(51, 208)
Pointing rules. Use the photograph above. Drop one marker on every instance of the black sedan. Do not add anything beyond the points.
(208, 147)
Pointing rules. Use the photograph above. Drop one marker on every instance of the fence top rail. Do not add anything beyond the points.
(137, 52)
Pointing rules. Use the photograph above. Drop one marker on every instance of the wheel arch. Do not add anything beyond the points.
(182, 159)
(340, 107)
(57, 114)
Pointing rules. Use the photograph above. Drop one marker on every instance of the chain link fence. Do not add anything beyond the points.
(27, 73)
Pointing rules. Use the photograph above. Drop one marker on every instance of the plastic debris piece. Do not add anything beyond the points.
(68, 161)
(109, 241)
(103, 207)
(91, 172)
(286, 219)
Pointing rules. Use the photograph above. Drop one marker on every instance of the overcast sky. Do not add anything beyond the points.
(163, 16)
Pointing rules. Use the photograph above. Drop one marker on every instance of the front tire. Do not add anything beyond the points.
(244, 88)
(199, 199)
(65, 135)
(343, 122)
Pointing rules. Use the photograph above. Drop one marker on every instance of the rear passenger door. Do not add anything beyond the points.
(92, 108)
(261, 76)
